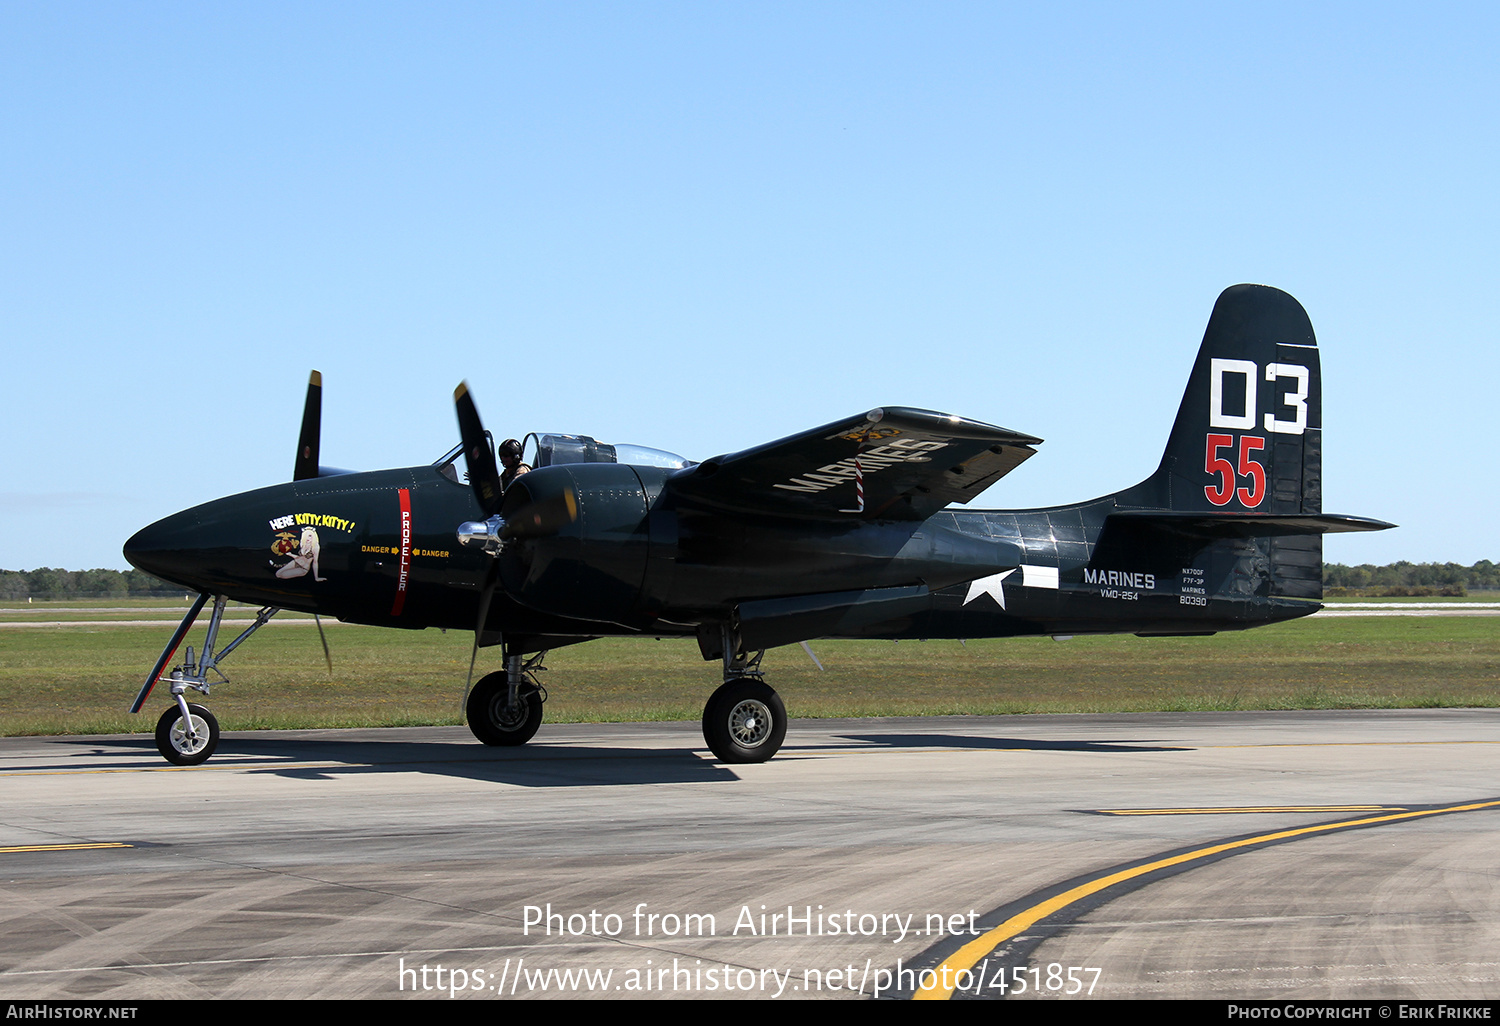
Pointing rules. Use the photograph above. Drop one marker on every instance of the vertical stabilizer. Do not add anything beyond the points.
(1248, 438)
(1249, 433)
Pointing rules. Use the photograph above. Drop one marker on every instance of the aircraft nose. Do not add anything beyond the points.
(165, 549)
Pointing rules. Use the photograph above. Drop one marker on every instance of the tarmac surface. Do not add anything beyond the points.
(1237, 856)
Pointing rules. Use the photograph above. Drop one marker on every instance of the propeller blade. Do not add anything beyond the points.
(542, 517)
(324, 639)
(484, 475)
(312, 420)
(491, 579)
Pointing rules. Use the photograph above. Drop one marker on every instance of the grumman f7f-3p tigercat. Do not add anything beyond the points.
(843, 531)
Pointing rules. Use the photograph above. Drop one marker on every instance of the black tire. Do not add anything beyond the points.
(493, 722)
(172, 740)
(744, 721)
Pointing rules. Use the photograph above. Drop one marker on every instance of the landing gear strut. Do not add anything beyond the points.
(744, 720)
(186, 735)
(505, 707)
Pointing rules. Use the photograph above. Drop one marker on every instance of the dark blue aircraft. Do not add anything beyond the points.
(843, 531)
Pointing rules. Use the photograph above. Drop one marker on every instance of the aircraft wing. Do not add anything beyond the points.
(908, 463)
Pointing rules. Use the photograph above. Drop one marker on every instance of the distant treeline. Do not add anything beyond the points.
(1401, 578)
(1405, 578)
(46, 583)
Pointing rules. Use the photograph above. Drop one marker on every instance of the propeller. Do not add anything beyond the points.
(531, 518)
(306, 466)
(528, 519)
(484, 478)
(312, 418)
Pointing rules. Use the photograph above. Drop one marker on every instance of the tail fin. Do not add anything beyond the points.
(1249, 433)
(1243, 467)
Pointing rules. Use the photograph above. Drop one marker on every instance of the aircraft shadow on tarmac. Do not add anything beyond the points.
(533, 766)
(1008, 743)
(546, 765)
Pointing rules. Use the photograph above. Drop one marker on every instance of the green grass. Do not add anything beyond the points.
(119, 609)
(82, 679)
(1472, 596)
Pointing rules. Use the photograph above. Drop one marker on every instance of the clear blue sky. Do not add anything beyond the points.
(701, 226)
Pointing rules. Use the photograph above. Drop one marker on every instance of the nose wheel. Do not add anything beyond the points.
(187, 739)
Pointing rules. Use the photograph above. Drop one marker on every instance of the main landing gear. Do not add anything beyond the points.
(744, 720)
(505, 707)
(186, 735)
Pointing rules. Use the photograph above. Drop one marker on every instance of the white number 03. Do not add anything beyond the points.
(1295, 399)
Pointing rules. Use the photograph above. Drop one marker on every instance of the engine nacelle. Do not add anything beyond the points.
(593, 565)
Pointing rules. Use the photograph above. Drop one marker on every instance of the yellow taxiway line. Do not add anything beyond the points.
(966, 957)
(63, 847)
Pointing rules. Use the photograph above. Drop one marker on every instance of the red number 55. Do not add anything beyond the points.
(1215, 465)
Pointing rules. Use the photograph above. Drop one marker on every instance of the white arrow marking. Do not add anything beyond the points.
(989, 586)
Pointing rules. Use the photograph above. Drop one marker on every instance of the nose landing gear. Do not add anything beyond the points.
(186, 735)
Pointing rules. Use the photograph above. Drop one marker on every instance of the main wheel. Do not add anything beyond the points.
(494, 720)
(172, 738)
(744, 721)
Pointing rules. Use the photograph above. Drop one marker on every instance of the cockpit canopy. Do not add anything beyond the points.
(551, 450)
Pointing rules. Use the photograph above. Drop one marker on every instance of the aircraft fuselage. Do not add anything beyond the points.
(386, 555)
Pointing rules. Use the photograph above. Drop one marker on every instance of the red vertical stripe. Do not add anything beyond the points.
(404, 575)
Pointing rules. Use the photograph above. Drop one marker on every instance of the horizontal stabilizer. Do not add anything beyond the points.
(1247, 525)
